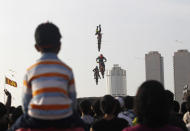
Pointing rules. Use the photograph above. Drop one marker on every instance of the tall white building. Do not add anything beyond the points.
(181, 61)
(154, 66)
(116, 81)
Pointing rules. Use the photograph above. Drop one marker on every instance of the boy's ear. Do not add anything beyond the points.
(58, 48)
(37, 47)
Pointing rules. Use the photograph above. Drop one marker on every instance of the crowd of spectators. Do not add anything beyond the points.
(153, 108)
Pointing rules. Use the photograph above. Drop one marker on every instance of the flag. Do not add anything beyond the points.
(10, 82)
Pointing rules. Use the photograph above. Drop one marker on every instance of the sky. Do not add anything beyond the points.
(131, 28)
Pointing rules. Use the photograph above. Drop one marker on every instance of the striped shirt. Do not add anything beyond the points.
(49, 89)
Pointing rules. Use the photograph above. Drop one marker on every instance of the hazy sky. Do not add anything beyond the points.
(131, 28)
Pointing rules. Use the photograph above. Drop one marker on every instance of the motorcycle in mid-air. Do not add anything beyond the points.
(96, 79)
(102, 70)
(99, 36)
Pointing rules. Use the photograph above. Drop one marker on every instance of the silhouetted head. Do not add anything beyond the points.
(151, 104)
(188, 98)
(169, 97)
(47, 37)
(183, 107)
(85, 107)
(129, 102)
(96, 109)
(176, 106)
(108, 104)
(118, 108)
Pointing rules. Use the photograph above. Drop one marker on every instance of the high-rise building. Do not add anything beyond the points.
(181, 61)
(154, 66)
(116, 81)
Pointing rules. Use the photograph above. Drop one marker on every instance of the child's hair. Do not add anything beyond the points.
(96, 108)
(129, 102)
(176, 106)
(152, 104)
(47, 36)
(85, 107)
(108, 104)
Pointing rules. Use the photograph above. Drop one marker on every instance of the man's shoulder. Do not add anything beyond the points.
(65, 65)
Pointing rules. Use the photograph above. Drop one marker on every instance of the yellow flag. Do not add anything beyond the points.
(10, 82)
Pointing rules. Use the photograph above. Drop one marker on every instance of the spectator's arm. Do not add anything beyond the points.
(8, 102)
(26, 94)
(72, 92)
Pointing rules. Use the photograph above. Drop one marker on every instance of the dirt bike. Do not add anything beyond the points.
(96, 78)
(99, 41)
(102, 70)
(99, 46)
